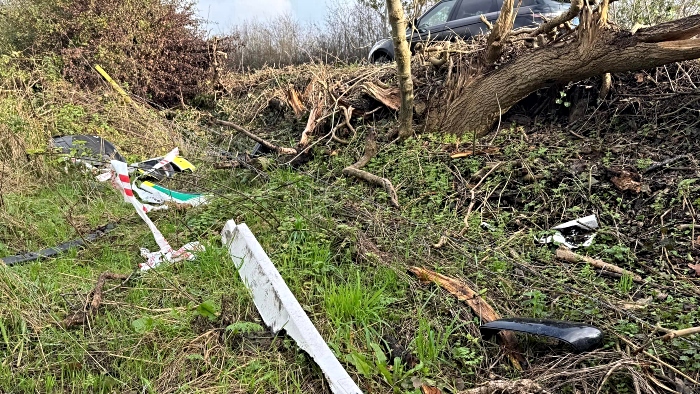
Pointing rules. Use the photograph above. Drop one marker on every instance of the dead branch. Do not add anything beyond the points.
(265, 143)
(390, 97)
(347, 116)
(671, 335)
(480, 307)
(312, 123)
(567, 255)
(355, 170)
(500, 32)
(90, 308)
(524, 386)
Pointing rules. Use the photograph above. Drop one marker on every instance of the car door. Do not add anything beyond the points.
(432, 26)
(467, 22)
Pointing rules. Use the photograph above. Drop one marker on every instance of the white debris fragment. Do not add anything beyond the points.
(278, 306)
(570, 234)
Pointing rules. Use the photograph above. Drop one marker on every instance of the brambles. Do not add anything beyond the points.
(157, 48)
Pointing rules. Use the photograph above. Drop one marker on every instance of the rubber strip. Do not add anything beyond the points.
(62, 248)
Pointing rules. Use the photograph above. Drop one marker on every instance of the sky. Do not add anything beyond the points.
(222, 14)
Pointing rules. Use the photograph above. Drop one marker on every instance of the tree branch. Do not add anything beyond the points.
(355, 170)
(681, 29)
(501, 31)
(574, 10)
(265, 143)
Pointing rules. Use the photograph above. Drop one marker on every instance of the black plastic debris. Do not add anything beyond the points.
(62, 248)
(91, 150)
(582, 337)
(167, 171)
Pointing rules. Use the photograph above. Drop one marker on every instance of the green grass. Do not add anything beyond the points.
(192, 327)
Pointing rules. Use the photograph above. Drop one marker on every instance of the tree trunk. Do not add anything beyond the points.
(479, 99)
(403, 64)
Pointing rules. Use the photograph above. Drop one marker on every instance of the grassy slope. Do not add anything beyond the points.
(344, 254)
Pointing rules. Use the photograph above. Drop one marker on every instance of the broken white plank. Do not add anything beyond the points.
(278, 306)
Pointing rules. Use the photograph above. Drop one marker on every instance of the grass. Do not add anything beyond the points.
(192, 327)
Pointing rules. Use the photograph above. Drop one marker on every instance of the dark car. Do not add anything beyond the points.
(462, 18)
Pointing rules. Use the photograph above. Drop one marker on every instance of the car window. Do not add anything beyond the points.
(475, 7)
(438, 15)
(526, 3)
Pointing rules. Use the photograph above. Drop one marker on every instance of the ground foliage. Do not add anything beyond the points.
(345, 253)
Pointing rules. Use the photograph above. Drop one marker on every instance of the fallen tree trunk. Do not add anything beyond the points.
(483, 92)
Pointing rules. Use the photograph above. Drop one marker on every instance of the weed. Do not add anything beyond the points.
(625, 284)
(535, 302)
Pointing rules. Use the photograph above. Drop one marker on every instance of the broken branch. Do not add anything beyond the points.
(90, 308)
(480, 307)
(311, 124)
(355, 170)
(574, 10)
(671, 335)
(265, 143)
(567, 255)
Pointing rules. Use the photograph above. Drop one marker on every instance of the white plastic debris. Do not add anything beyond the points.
(278, 306)
(119, 175)
(574, 234)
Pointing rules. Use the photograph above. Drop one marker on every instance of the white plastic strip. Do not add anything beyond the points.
(121, 182)
(278, 306)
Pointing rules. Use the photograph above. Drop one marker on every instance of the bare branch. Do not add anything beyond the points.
(574, 10)
(681, 29)
(265, 143)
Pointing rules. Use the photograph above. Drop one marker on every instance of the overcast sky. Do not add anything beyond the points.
(224, 13)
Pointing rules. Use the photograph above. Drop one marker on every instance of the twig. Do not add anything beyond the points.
(265, 143)
(673, 334)
(90, 309)
(355, 170)
(665, 163)
(567, 255)
(507, 386)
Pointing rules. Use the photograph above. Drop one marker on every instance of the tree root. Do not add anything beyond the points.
(265, 143)
(355, 170)
(81, 317)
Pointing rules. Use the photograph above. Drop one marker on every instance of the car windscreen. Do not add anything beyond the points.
(438, 15)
